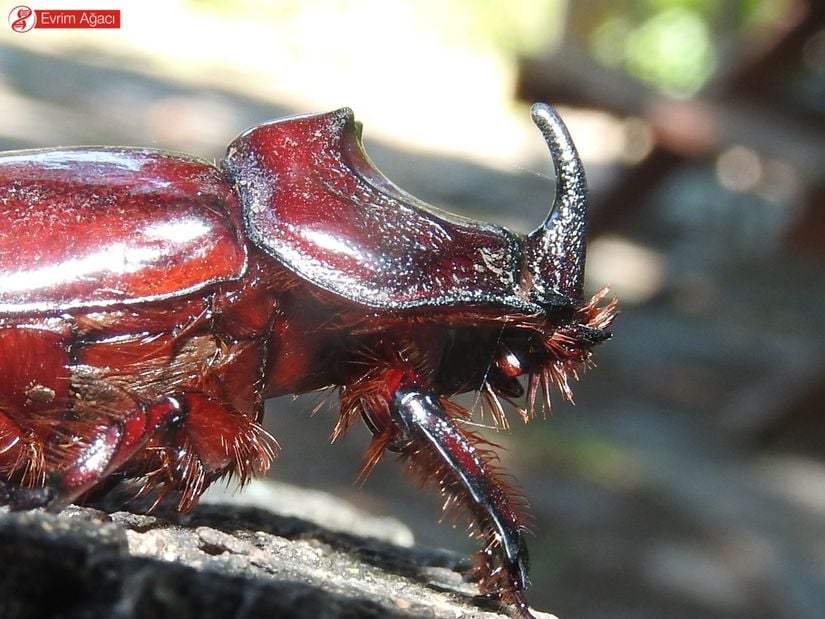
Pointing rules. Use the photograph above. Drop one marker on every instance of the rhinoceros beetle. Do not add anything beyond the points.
(150, 302)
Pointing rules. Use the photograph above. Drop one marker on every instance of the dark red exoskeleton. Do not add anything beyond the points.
(150, 302)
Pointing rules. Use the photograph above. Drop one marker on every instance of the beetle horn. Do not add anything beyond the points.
(557, 247)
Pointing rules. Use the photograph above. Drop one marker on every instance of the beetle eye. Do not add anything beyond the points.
(509, 364)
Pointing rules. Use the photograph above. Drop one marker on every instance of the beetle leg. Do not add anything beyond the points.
(437, 448)
(109, 449)
(211, 442)
(113, 446)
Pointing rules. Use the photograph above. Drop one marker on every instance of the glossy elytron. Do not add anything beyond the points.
(150, 302)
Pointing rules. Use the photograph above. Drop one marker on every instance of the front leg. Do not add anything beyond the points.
(417, 426)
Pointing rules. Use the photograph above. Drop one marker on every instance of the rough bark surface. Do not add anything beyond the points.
(221, 561)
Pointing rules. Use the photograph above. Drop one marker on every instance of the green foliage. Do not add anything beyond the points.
(675, 45)
(672, 49)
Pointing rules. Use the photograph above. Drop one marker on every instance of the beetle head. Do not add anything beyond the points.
(551, 349)
(548, 351)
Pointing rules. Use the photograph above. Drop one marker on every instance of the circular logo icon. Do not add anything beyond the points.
(22, 18)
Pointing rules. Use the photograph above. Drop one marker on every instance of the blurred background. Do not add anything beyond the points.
(688, 480)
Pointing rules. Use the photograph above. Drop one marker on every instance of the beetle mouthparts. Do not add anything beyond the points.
(558, 245)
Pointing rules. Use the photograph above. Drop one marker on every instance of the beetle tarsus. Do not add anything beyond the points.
(520, 606)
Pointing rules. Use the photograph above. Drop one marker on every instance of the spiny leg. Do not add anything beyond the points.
(24, 457)
(213, 441)
(422, 432)
(113, 444)
(34, 386)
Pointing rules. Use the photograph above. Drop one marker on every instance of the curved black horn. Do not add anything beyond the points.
(557, 247)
